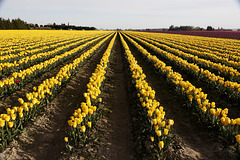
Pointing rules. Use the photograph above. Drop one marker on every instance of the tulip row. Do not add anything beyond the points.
(226, 71)
(47, 46)
(13, 42)
(21, 78)
(158, 126)
(23, 44)
(226, 58)
(225, 46)
(85, 117)
(16, 118)
(223, 58)
(195, 97)
(232, 89)
(8, 68)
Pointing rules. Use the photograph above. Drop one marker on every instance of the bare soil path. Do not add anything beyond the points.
(193, 139)
(121, 145)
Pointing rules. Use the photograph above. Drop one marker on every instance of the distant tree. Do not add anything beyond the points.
(8, 24)
(210, 28)
(171, 28)
(198, 29)
(36, 25)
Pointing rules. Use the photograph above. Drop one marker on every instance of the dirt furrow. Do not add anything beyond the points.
(193, 139)
(43, 139)
(120, 144)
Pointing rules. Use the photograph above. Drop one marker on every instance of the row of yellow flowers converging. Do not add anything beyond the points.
(17, 44)
(37, 48)
(85, 117)
(14, 42)
(196, 98)
(226, 58)
(19, 79)
(226, 71)
(229, 87)
(205, 49)
(221, 45)
(159, 126)
(16, 118)
(8, 68)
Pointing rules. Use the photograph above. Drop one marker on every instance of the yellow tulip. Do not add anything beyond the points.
(238, 121)
(20, 100)
(89, 124)
(161, 144)
(83, 129)
(204, 109)
(70, 123)
(233, 121)
(10, 124)
(163, 123)
(166, 132)
(154, 121)
(152, 139)
(7, 118)
(2, 122)
(159, 133)
(13, 116)
(66, 139)
(74, 124)
(238, 138)
(170, 122)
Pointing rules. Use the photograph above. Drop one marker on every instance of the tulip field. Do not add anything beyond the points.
(118, 95)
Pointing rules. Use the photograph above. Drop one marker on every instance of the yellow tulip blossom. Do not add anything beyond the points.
(166, 132)
(66, 139)
(159, 133)
(89, 124)
(152, 139)
(10, 124)
(161, 144)
(20, 100)
(2, 122)
(238, 138)
(83, 129)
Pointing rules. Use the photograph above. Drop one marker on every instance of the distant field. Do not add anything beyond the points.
(217, 34)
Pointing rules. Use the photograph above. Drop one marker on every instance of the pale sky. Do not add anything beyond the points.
(126, 14)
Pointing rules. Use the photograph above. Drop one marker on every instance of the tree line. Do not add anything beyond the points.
(13, 24)
(191, 28)
(20, 24)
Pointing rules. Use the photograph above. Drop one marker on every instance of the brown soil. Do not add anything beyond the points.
(193, 139)
(120, 143)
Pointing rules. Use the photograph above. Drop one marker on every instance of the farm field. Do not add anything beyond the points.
(118, 95)
(215, 34)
